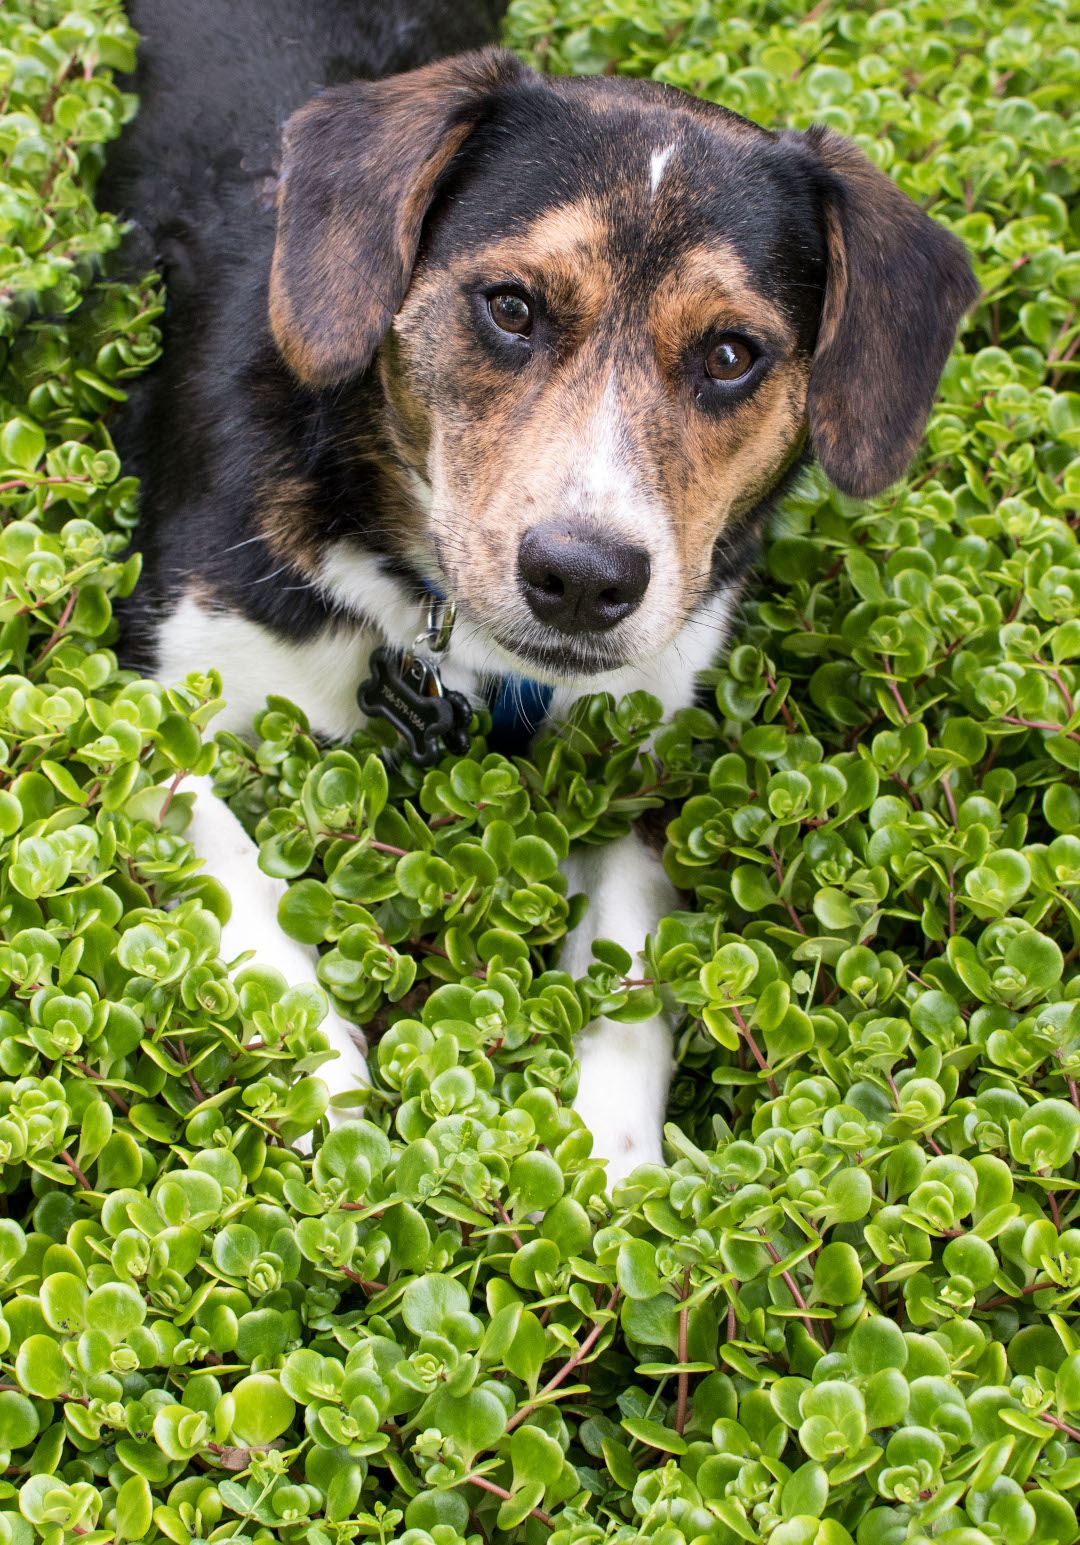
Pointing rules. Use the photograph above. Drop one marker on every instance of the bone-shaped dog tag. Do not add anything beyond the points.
(406, 691)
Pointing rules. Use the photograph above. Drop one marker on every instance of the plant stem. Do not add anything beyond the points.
(1041, 724)
(684, 1377)
(1060, 1425)
(76, 1171)
(895, 690)
(505, 1216)
(792, 1286)
(569, 1366)
(370, 1288)
(744, 1030)
(1010, 1298)
(949, 799)
(60, 626)
(780, 881)
(110, 1094)
(173, 786)
(499, 1491)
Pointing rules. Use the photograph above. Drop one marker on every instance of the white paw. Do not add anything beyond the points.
(347, 1074)
(623, 1151)
(233, 858)
(622, 1093)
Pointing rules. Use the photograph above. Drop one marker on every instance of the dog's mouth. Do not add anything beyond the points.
(562, 662)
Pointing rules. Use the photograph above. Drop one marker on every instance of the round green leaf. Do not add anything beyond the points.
(261, 1409)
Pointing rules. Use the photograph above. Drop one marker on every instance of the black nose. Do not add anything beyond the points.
(577, 582)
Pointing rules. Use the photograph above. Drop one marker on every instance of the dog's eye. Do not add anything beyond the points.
(510, 312)
(729, 359)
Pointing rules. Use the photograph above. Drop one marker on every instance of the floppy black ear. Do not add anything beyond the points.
(898, 285)
(360, 164)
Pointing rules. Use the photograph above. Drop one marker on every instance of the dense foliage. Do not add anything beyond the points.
(847, 1312)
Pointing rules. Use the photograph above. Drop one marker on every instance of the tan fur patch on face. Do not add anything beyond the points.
(710, 287)
(563, 255)
(601, 421)
(567, 230)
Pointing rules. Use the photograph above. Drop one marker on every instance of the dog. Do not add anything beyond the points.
(550, 349)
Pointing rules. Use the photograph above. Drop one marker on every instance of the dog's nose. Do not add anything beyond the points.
(577, 582)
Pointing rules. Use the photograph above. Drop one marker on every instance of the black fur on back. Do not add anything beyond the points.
(196, 172)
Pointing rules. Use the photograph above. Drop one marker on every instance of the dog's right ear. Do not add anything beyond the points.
(360, 165)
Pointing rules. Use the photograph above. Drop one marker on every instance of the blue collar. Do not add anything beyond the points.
(518, 709)
(518, 706)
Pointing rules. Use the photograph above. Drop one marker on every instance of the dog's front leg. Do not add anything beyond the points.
(625, 1068)
(233, 858)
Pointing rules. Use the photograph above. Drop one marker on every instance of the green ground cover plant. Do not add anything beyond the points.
(848, 1310)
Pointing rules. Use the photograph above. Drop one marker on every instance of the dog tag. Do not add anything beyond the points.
(406, 691)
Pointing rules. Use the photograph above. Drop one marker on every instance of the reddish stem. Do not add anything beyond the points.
(498, 1491)
(1055, 677)
(788, 720)
(949, 800)
(1060, 1425)
(173, 786)
(76, 1171)
(792, 1286)
(908, 790)
(505, 1216)
(1069, 352)
(188, 1074)
(1074, 1093)
(1010, 1298)
(744, 1029)
(73, 1400)
(895, 690)
(569, 1366)
(370, 1288)
(780, 881)
(39, 482)
(1040, 724)
(684, 1377)
(110, 1094)
(427, 948)
(60, 626)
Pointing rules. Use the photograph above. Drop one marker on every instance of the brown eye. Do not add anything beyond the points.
(510, 312)
(729, 359)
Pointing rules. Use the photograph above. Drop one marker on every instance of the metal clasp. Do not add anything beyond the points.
(439, 624)
(434, 640)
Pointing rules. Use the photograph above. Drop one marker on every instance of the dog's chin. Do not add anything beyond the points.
(562, 661)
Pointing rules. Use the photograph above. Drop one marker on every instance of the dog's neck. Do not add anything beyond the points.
(332, 506)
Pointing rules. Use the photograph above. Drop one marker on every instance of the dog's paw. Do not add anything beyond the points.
(347, 1074)
(623, 1145)
(623, 1149)
(622, 1093)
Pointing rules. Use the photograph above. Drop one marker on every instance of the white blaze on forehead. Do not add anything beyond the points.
(657, 165)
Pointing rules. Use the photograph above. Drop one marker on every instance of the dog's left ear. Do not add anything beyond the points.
(360, 166)
(898, 285)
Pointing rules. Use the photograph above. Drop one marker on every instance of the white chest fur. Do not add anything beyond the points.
(320, 674)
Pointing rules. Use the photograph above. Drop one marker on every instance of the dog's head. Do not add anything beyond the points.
(607, 316)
